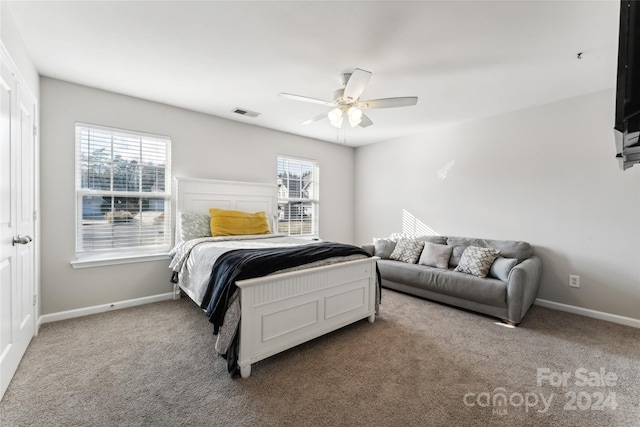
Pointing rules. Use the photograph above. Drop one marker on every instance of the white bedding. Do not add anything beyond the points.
(194, 259)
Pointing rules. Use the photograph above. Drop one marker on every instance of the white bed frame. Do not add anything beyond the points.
(280, 311)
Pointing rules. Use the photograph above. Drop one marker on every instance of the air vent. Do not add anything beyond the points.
(247, 113)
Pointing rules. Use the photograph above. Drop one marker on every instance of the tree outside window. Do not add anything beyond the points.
(123, 191)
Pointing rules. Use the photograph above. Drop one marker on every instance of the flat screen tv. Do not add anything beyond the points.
(627, 120)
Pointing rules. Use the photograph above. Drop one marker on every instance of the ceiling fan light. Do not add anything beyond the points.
(355, 116)
(335, 117)
(354, 113)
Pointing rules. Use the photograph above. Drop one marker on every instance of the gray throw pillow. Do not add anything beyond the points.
(501, 267)
(477, 261)
(407, 251)
(383, 247)
(435, 255)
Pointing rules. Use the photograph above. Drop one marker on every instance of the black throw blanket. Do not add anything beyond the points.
(240, 264)
(243, 264)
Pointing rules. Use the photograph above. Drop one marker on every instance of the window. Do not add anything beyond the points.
(297, 196)
(123, 193)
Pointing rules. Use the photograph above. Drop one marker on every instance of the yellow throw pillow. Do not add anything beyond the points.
(236, 223)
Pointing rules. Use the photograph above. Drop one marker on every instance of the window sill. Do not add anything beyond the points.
(100, 261)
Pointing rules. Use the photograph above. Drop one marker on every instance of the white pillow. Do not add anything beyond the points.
(435, 255)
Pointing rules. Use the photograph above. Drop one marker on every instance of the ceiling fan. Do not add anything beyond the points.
(346, 101)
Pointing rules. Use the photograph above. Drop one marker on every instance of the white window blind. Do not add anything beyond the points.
(123, 192)
(298, 181)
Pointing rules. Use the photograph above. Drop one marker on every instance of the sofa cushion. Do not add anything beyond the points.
(438, 240)
(507, 248)
(477, 261)
(448, 282)
(383, 247)
(501, 268)
(407, 251)
(435, 255)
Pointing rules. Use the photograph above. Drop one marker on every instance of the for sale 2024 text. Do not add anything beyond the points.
(582, 377)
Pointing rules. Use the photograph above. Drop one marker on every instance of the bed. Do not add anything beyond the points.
(276, 311)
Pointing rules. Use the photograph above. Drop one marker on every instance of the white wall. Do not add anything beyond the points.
(546, 175)
(12, 41)
(202, 146)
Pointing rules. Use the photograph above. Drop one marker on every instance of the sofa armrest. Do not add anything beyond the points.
(368, 248)
(522, 287)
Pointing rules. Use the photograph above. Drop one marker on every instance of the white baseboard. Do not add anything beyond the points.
(62, 315)
(628, 321)
(85, 311)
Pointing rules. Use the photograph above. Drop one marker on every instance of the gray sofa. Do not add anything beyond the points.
(507, 291)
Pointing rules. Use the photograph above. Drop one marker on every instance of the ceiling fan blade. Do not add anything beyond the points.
(315, 119)
(365, 121)
(307, 99)
(403, 101)
(356, 84)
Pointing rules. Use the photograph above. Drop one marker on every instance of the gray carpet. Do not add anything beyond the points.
(420, 363)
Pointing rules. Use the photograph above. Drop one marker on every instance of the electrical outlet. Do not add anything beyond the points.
(574, 281)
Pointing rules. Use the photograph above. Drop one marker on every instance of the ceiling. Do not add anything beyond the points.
(464, 60)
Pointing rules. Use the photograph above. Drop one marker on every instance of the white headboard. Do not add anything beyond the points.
(199, 195)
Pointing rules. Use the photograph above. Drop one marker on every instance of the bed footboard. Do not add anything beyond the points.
(284, 310)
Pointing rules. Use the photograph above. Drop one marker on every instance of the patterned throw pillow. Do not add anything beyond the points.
(407, 251)
(477, 261)
(194, 226)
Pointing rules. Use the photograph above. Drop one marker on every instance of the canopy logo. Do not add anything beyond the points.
(499, 401)
(575, 398)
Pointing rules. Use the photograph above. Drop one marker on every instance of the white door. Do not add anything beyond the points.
(17, 252)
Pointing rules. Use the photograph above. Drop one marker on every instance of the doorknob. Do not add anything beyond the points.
(21, 240)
